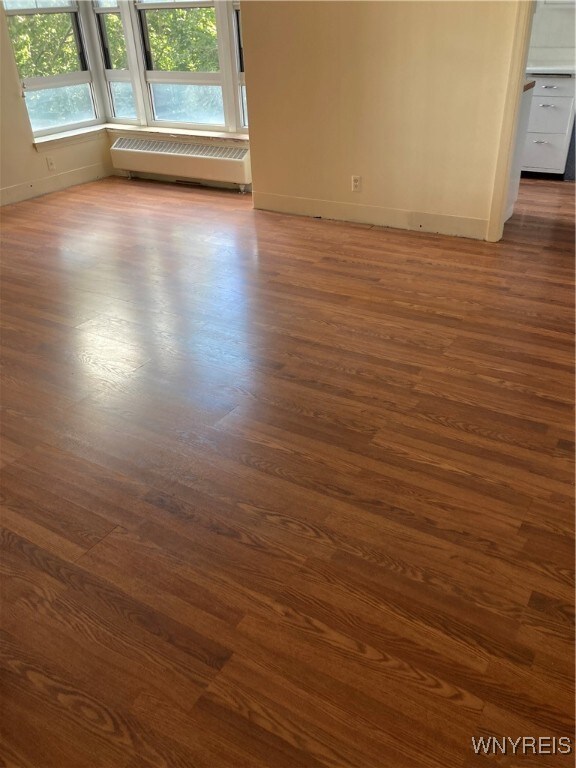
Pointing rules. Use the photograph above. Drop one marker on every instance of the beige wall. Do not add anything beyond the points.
(418, 98)
(23, 171)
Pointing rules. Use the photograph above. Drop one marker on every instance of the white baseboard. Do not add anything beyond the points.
(372, 214)
(176, 180)
(53, 183)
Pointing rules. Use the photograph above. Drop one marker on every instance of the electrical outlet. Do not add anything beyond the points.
(356, 183)
(50, 163)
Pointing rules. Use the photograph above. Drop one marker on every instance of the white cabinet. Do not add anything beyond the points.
(549, 125)
(549, 85)
(550, 115)
(545, 152)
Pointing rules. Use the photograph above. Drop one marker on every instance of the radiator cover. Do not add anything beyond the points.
(183, 160)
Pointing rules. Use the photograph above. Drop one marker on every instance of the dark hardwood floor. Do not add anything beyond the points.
(280, 492)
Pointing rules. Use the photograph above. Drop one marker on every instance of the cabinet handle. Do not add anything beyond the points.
(548, 105)
(539, 141)
(548, 86)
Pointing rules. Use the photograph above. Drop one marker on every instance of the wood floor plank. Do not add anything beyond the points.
(280, 492)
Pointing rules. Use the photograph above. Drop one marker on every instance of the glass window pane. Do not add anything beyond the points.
(123, 100)
(44, 44)
(239, 45)
(106, 3)
(113, 33)
(60, 106)
(188, 103)
(244, 105)
(183, 39)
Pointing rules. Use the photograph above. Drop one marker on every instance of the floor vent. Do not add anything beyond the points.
(210, 162)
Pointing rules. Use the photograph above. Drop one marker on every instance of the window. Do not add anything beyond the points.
(51, 57)
(147, 62)
(183, 64)
(114, 51)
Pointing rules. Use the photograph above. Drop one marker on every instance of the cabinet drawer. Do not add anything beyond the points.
(546, 151)
(550, 115)
(554, 86)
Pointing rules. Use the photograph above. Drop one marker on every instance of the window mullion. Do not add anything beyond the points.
(95, 63)
(135, 52)
(227, 64)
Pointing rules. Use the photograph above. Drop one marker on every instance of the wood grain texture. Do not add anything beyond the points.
(280, 492)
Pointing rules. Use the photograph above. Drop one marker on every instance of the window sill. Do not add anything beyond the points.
(93, 132)
(117, 128)
(76, 136)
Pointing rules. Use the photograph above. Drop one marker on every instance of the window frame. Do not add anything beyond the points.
(225, 76)
(79, 77)
(239, 52)
(86, 16)
(107, 75)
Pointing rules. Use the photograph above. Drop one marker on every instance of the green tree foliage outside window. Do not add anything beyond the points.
(180, 40)
(115, 39)
(44, 44)
(183, 40)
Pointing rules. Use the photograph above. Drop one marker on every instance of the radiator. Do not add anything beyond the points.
(205, 162)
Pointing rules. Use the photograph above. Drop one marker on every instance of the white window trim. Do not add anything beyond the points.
(72, 8)
(56, 81)
(192, 78)
(228, 64)
(68, 127)
(147, 6)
